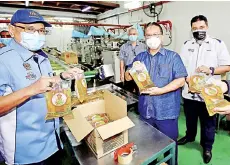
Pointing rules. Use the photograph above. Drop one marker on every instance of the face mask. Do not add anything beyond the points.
(153, 42)
(199, 34)
(133, 38)
(5, 41)
(32, 42)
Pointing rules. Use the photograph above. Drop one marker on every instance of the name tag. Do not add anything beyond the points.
(191, 50)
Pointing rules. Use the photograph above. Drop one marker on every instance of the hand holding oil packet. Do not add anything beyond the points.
(213, 97)
(209, 90)
(196, 83)
(141, 76)
(59, 100)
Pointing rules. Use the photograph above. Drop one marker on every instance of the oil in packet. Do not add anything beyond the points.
(80, 86)
(59, 101)
(196, 83)
(141, 76)
(213, 97)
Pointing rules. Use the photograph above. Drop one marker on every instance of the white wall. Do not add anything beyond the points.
(180, 14)
(60, 37)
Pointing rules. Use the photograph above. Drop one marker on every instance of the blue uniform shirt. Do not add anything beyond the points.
(128, 52)
(34, 136)
(163, 67)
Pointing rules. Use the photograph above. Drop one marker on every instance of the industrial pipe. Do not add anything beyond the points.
(164, 23)
(76, 24)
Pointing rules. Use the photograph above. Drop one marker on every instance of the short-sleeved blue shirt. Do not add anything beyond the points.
(128, 52)
(163, 67)
(35, 138)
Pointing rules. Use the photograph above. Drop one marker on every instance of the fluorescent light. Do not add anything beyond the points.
(132, 5)
(86, 9)
(27, 2)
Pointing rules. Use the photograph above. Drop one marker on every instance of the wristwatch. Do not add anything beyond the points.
(212, 70)
(61, 76)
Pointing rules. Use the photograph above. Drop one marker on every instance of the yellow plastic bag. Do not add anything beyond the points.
(141, 76)
(213, 97)
(97, 95)
(196, 83)
(59, 101)
(80, 86)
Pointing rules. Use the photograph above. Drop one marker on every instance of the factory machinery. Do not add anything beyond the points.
(93, 54)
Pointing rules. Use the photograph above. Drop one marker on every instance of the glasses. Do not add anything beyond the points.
(153, 35)
(32, 30)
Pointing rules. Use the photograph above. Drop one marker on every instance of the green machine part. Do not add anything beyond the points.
(90, 74)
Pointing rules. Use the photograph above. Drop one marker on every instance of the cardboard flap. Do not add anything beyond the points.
(115, 107)
(79, 126)
(113, 128)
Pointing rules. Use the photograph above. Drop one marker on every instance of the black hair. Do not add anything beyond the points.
(3, 31)
(199, 18)
(154, 24)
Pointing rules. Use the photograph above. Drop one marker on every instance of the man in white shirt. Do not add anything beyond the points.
(207, 55)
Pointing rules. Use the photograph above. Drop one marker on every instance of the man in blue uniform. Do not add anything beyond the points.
(25, 75)
(160, 105)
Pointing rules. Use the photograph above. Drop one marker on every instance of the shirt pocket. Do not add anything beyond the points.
(163, 74)
(211, 58)
(163, 71)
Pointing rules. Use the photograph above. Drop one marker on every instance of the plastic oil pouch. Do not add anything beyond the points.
(141, 76)
(213, 97)
(80, 86)
(59, 101)
(97, 120)
(196, 83)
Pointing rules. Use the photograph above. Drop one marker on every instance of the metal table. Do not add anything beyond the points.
(150, 142)
(129, 97)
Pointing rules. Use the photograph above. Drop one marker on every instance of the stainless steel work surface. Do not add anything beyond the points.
(149, 142)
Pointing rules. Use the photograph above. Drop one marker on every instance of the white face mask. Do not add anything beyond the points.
(153, 42)
(32, 42)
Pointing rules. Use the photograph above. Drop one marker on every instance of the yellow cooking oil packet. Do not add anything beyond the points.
(141, 76)
(59, 101)
(196, 83)
(80, 86)
(97, 120)
(213, 97)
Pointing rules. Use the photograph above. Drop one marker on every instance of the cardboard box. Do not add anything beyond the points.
(70, 57)
(109, 137)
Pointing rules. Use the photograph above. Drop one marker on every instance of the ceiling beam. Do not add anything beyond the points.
(35, 6)
(101, 4)
(53, 13)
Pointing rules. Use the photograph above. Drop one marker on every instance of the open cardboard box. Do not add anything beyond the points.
(106, 138)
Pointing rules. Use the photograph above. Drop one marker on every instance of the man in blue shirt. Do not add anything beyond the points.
(25, 75)
(160, 105)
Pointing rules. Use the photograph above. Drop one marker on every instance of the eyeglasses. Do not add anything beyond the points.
(32, 30)
(153, 35)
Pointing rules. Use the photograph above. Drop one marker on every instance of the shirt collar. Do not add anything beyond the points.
(161, 51)
(130, 43)
(25, 53)
(207, 40)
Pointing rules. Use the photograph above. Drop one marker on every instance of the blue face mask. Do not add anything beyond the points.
(32, 42)
(133, 38)
(5, 41)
